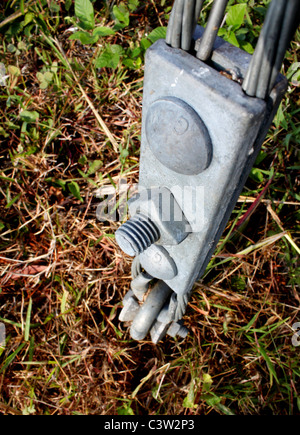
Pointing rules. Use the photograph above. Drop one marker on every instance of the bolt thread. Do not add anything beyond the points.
(136, 235)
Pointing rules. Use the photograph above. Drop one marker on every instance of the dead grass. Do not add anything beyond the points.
(62, 276)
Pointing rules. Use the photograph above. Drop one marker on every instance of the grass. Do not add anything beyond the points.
(71, 119)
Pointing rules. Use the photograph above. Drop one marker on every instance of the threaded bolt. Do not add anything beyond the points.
(136, 235)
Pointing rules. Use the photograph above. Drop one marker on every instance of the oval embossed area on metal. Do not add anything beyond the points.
(178, 137)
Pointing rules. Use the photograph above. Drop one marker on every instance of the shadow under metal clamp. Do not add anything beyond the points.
(201, 134)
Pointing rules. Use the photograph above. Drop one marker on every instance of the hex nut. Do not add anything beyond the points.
(160, 206)
(176, 328)
(158, 331)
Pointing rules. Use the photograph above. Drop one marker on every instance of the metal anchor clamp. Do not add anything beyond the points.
(201, 134)
(157, 314)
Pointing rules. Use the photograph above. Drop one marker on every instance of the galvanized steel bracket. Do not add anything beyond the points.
(201, 134)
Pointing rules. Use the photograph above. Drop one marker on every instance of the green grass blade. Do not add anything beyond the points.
(27, 324)
(11, 357)
(269, 364)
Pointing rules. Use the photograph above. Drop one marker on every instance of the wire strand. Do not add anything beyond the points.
(282, 19)
(214, 21)
(279, 27)
(187, 24)
(183, 20)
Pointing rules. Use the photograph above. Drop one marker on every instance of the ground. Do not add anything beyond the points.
(70, 124)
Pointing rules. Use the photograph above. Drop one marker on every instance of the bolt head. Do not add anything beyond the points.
(177, 328)
(158, 263)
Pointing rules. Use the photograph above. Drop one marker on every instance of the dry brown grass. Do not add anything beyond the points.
(62, 276)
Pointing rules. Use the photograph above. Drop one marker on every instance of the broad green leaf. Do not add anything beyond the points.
(107, 60)
(59, 183)
(28, 116)
(11, 48)
(293, 73)
(110, 58)
(68, 4)
(82, 173)
(130, 63)
(145, 43)
(14, 70)
(103, 31)
(236, 15)
(207, 382)
(28, 18)
(54, 67)
(44, 85)
(94, 167)
(75, 190)
(40, 76)
(48, 76)
(22, 46)
(136, 52)
(44, 78)
(125, 410)
(133, 4)
(84, 11)
(121, 16)
(82, 160)
(84, 37)
(246, 46)
(189, 400)
(124, 153)
(280, 118)
(54, 7)
(231, 38)
(257, 175)
(158, 33)
(212, 399)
